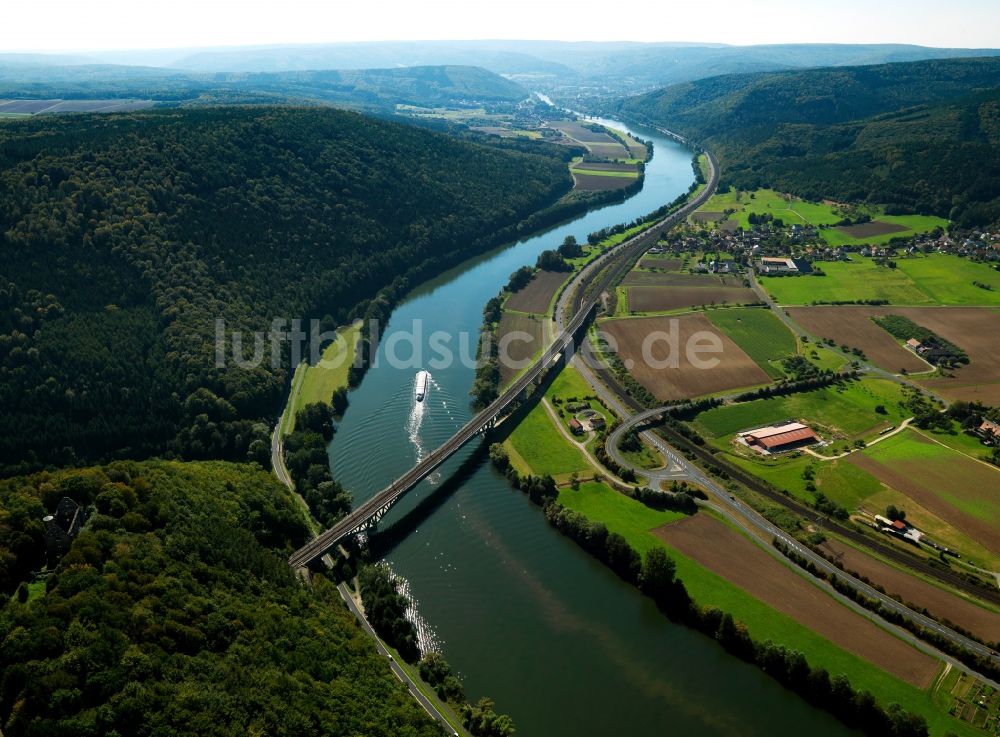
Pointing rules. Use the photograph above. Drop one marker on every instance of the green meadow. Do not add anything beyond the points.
(848, 408)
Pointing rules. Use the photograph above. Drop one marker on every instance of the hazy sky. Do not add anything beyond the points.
(66, 25)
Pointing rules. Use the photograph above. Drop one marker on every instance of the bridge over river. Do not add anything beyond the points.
(589, 283)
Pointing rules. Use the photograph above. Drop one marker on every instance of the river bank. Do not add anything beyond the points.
(522, 613)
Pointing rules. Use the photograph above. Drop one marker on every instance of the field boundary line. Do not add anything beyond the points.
(943, 445)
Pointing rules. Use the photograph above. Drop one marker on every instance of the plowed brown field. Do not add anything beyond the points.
(681, 379)
(739, 561)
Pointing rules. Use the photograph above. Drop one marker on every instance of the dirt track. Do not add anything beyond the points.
(730, 555)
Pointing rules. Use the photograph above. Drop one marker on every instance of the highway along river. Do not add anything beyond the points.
(522, 613)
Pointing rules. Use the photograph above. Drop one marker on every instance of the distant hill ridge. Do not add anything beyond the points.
(363, 88)
(916, 135)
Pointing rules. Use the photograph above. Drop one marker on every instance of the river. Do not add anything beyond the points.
(522, 613)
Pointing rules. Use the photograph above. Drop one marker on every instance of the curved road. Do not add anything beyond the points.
(676, 462)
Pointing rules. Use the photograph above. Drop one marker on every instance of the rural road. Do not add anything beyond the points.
(731, 507)
(400, 673)
(278, 437)
(694, 474)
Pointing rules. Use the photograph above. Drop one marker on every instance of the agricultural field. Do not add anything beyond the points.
(676, 377)
(881, 230)
(537, 446)
(674, 279)
(639, 526)
(845, 411)
(974, 330)
(851, 281)
(730, 555)
(948, 280)
(537, 295)
(919, 280)
(661, 263)
(666, 299)
(522, 349)
(598, 182)
(579, 132)
(956, 488)
(794, 211)
(912, 589)
(760, 334)
(852, 325)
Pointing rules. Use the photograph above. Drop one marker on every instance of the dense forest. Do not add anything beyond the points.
(921, 136)
(124, 238)
(174, 612)
(379, 89)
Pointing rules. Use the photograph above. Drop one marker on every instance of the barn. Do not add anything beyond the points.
(779, 438)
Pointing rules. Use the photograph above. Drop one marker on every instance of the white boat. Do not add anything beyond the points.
(420, 385)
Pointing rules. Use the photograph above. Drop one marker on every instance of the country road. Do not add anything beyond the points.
(686, 469)
(398, 670)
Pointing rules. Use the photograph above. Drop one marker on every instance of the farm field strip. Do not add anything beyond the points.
(976, 619)
(759, 333)
(519, 350)
(955, 488)
(536, 296)
(667, 298)
(736, 559)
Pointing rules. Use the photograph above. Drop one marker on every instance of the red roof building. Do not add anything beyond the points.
(780, 438)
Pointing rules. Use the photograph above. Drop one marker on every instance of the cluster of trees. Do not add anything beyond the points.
(552, 261)
(519, 279)
(764, 218)
(944, 351)
(176, 590)
(486, 386)
(569, 248)
(126, 237)
(850, 133)
(970, 416)
(825, 377)
(927, 414)
(309, 465)
(385, 609)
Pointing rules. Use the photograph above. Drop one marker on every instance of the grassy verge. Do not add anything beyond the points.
(319, 382)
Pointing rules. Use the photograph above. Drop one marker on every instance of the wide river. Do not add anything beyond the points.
(522, 613)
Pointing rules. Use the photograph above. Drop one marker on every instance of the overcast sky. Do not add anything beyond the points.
(73, 25)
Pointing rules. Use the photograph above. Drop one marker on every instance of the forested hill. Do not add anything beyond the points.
(921, 135)
(175, 613)
(124, 237)
(375, 89)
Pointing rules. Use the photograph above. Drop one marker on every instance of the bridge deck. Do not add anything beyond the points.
(372, 509)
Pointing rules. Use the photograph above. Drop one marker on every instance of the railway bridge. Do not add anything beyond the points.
(589, 283)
